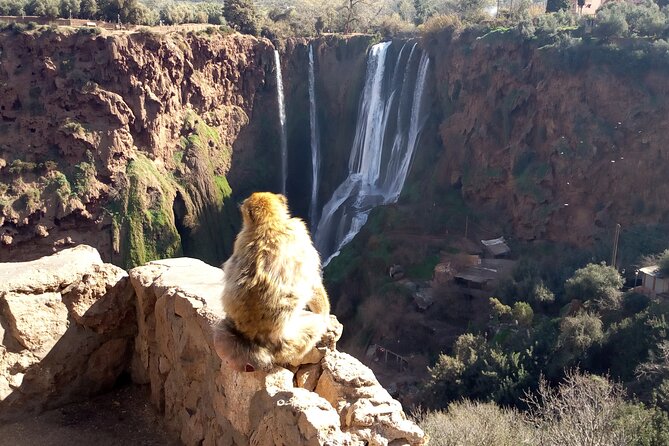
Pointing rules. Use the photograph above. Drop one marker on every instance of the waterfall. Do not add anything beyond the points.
(315, 143)
(383, 148)
(282, 121)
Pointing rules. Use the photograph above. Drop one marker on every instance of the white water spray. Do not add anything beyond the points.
(377, 171)
(315, 143)
(282, 121)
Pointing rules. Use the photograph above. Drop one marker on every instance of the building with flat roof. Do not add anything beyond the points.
(653, 282)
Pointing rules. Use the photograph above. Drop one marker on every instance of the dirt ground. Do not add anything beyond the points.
(119, 418)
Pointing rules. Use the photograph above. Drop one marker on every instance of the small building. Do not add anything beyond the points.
(653, 282)
(486, 274)
(496, 247)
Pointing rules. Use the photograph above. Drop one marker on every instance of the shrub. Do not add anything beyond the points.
(596, 282)
(438, 23)
(469, 423)
(589, 409)
(579, 333)
(523, 314)
(611, 22)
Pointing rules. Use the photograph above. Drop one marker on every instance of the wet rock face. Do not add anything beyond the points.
(333, 400)
(67, 323)
(94, 125)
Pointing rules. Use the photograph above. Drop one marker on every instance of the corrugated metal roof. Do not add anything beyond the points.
(496, 246)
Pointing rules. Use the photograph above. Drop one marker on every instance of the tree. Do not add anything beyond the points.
(43, 8)
(611, 22)
(350, 10)
(319, 25)
(11, 7)
(523, 314)
(596, 282)
(476, 370)
(69, 8)
(88, 9)
(578, 334)
(499, 311)
(424, 9)
(241, 16)
(557, 5)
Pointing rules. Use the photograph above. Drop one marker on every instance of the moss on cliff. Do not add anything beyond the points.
(143, 222)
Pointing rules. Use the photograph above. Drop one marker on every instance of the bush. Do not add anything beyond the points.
(598, 283)
(439, 23)
(468, 423)
(585, 409)
(579, 333)
(611, 22)
(476, 370)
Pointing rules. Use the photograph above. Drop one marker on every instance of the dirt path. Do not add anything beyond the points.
(122, 417)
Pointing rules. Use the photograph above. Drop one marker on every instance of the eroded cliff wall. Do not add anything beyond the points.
(559, 143)
(124, 140)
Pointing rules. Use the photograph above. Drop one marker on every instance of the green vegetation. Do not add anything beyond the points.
(599, 283)
(241, 15)
(142, 214)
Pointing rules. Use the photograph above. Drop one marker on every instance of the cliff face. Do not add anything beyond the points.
(560, 144)
(125, 141)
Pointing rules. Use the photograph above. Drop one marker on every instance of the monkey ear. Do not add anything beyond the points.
(249, 213)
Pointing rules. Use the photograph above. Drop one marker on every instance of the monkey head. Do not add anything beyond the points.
(264, 207)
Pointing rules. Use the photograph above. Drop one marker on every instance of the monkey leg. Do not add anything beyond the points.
(319, 302)
(302, 332)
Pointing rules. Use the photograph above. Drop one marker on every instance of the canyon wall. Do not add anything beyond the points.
(558, 143)
(125, 140)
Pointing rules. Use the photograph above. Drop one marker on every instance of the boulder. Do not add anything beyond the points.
(67, 323)
(332, 399)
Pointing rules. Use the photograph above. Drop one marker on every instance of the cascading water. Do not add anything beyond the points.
(382, 149)
(315, 143)
(282, 121)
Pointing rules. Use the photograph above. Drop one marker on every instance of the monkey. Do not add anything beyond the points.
(272, 276)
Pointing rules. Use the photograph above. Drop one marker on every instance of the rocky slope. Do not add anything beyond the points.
(124, 141)
(71, 332)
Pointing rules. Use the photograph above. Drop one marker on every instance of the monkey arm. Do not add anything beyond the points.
(319, 302)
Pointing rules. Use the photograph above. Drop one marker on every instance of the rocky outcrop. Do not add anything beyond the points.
(67, 323)
(71, 324)
(335, 400)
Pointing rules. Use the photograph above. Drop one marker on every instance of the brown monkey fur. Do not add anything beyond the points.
(273, 274)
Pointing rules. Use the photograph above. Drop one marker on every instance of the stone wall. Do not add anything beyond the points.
(335, 401)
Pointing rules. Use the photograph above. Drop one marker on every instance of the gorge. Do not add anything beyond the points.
(141, 144)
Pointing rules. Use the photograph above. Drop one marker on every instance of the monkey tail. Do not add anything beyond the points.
(242, 353)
